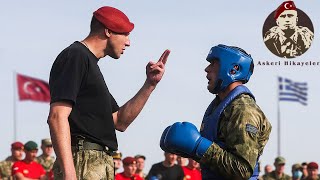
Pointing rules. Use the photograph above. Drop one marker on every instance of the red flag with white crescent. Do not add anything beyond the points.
(32, 89)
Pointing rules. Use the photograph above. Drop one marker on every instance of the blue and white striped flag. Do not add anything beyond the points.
(293, 91)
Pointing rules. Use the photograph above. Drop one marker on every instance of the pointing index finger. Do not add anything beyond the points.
(164, 56)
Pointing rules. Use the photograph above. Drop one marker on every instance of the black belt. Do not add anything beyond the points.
(83, 144)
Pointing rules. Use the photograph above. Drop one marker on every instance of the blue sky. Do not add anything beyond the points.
(34, 32)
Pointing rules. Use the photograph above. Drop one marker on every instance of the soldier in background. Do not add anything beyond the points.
(167, 169)
(313, 169)
(278, 173)
(182, 161)
(46, 159)
(296, 171)
(117, 156)
(6, 165)
(267, 170)
(28, 168)
(191, 170)
(129, 170)
(140, 165)
(304, 170)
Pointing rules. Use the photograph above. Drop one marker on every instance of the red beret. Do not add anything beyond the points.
(313, 165)
(113, 19)
(129, 160)
(17, 145)
(287, 5)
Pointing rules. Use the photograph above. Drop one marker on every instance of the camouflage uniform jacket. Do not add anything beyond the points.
(244, 130)
(6, 170)
(9, 158)
(273, 176)
(295, 45)
(46, 164)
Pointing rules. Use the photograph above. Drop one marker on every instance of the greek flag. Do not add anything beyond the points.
(293, 91)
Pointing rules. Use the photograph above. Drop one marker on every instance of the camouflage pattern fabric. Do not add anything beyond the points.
(46, 163)
(5, 170)
(245, 131)
(9, 158)
(299, 42)
(273, 176)
(89, 165)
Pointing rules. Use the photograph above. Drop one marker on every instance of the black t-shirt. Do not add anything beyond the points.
(159, 171)
(75, 77)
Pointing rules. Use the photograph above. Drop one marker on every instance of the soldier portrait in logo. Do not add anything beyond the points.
(288, 32)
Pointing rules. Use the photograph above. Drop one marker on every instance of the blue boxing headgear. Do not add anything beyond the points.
(235, 65)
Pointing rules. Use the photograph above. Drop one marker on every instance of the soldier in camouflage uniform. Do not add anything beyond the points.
(6, 165)
(234, 130)
(313, 169)
(45, 159)
(278, 173)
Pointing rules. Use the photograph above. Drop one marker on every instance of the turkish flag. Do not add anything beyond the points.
(32, 89)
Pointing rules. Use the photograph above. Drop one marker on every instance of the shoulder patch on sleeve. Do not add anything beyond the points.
(251, 128)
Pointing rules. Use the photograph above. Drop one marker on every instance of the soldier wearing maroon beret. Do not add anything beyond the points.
(16, 155)
(313, 170)
(287, 39)
(28, 168)
(83, 113)
(129, 170)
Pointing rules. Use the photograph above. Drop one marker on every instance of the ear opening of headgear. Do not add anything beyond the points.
(235, 65)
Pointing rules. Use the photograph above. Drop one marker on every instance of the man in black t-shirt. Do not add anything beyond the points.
(167, 169)
(83, 113)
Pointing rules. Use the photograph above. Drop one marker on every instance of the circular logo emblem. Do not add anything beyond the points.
(288, 31)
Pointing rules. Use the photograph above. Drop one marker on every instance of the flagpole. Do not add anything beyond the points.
(14, 106)
(279, 124)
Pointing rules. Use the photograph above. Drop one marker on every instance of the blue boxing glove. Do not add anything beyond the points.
(162, 145)
(167, 149)
(184, 138)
